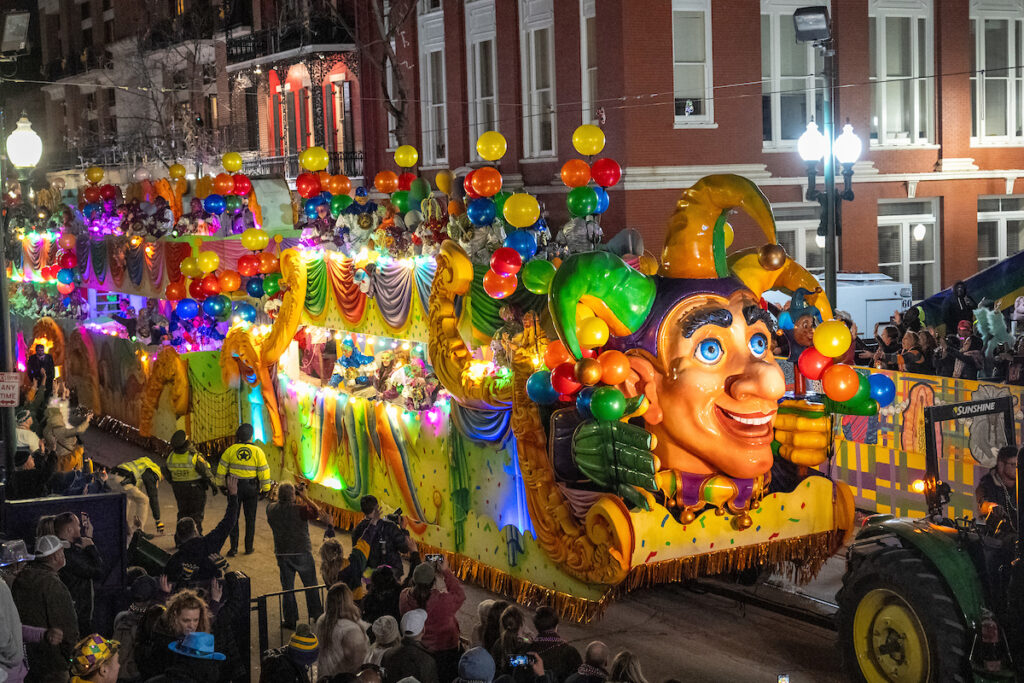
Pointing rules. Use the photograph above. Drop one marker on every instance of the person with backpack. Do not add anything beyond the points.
(126, 625)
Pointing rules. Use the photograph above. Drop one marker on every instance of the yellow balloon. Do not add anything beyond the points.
(190, 267)
(176, 171)
(255, 239)
(208, 261)
(314, 159)
(94, 174)
(588, 139)
(832, 339)
(232, 162)
(730, 235)
(491, 145)
(406, 156)
(583, 312)
(592, 332)
(443, 181)
(521, 210)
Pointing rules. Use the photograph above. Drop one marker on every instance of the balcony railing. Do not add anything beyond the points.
(348, 163)
(88, 60)
(285, 37)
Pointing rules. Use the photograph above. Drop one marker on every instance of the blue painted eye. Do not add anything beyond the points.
(709, 351)
(758, 344)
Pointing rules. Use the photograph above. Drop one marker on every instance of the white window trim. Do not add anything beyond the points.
(1013, 11)
(431, 39)
(707, 119)
(481, 26)
(588, 10)
(804, 229)
(907, 223)
(535, 15)
(1000, 218)
(881, 11)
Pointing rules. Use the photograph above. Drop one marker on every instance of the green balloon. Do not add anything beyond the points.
(582, 201)
(272, 284)
(419, 190)
(233, 203)
(499, 203)
(537, 275)
(339, 203)
(608, 404)
(400, 200)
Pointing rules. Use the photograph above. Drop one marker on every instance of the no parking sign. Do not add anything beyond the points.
(9, 385)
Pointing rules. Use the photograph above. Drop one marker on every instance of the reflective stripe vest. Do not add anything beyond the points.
(245, 461)
(186, 466)
(139, 465)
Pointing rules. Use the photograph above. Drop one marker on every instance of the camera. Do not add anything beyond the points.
(395, 517)
(437, 559)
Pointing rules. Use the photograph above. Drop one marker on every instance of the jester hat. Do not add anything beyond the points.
(693, 262)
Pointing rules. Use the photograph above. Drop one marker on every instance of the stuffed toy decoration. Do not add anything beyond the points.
(992, 326)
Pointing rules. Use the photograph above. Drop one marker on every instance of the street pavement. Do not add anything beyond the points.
(678, 631)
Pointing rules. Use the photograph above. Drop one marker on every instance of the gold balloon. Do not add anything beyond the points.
(176, 171)
(771, 256)
(94, 174)
(443, 181)
(588, 371)
(232, 162)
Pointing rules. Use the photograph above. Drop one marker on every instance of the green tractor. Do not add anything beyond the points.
(936, 599)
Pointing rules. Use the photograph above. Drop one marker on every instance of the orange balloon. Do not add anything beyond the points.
(840, 382)
(324, 178)
(486, 181)
(176, 290)
(268, 263)
(575, 173)
(556, 354)
(224, 184)
(230, 281)
(614, 366)
(455, 208)
(386, 182)
(499, 286)
(339, 184)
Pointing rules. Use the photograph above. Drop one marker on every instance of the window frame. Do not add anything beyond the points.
(914, 10)
(535, 16)
(1012, 12)
(707, 119)
(1000, 218)
(481, 27)
(906, 224)
(431, 41)
(588, 10)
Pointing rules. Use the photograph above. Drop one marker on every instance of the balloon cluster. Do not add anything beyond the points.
(852, 392)
(63, 269)
(584, 199)
(318, 187)
(94, 194)
(408, 190)
(590, 382)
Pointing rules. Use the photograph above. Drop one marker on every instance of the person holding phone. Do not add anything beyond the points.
(441, 630)
(84, 564)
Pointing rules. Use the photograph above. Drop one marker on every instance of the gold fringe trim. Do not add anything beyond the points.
(214, 447)
(341, 518)
(124, 431)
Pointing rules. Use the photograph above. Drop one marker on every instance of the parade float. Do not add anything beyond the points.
(566, 418)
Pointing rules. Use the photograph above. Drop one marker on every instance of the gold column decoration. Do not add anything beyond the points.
(81, 369)
(169, 368)
(293, 276)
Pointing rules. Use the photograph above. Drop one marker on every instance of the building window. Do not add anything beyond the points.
(108, 31)
(427, 6)
(482, 69)
(588, 59)
(111, 99)
(1000, 229)
(997, 75)
(536, 19)
(797, 231)
(691, 61)
(790, 80)
(433, 112)
(908, 245)
(85, 9)
(900, 54)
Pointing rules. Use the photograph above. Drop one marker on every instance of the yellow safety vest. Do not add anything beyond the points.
(185, 466)
(140, 465)
(245, 461)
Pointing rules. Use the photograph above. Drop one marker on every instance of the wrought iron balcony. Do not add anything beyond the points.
(348, 163)
(271, 41)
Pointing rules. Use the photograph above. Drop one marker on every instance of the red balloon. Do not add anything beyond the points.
(176, 290)
(506, 261)
(243, 186)
(224, 184)
(68, 260)
(467, 185)
(195, 290)
(268, 262)
(812, 363)
(248, 265)
(307, 185)
(405, 181)
(211, 285)
(563, 379)
(47, 273)
(92, 194)
(840, 382)
(605, 172)
(108, 192)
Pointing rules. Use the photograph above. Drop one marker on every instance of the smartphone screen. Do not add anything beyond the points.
(518, 660)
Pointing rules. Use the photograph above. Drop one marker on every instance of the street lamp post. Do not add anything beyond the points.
(24, 148)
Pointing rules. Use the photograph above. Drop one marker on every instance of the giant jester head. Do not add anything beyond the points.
(698, 341)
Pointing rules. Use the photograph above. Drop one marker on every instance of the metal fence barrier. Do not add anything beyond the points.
(271, 604)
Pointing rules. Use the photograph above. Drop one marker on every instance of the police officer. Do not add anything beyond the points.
(249, 463)
(189, 475)
(138, 475)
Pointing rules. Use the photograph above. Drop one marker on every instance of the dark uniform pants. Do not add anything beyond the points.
(191, 498)
(151, 484)
(248, 498)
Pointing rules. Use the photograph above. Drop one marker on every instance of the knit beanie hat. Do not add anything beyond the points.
(385, 630)
(303, 646)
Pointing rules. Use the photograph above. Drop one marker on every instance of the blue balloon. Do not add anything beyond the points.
(187, 309)
(311, 207)
(246, 312)
(539, 389)
(883, 389)
(325, 197)
(90, 210)
(481, 211)
(213, 306)
(522, 241)
(66, 301)
(65, 276)
(254, 287)
(215, 204)
(583, 402)
(785, 321)
(602, 200)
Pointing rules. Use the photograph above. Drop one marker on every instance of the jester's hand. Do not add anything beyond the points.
(617, 456)
(802, 433)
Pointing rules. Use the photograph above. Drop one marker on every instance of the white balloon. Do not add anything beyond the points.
(142, 174)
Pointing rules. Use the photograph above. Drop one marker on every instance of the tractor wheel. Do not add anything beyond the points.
(898, 622)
